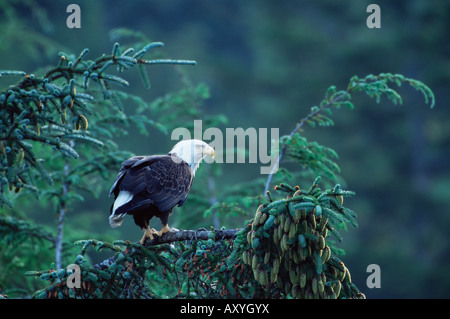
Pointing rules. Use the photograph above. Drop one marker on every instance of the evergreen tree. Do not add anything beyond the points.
(285, 250)
(58, 131)
(279, 52)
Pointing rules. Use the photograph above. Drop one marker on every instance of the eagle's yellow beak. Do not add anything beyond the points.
(210, 151)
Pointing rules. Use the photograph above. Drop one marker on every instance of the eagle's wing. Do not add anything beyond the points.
(125, 166)
(157, 180)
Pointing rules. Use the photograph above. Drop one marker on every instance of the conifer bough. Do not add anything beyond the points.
(53, 109)
(375, 86)
(285, 251)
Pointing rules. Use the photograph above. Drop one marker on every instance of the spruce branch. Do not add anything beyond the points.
(177, 236)
(283, 252)
(375, 86)
(53, 109)
(199, 234)
(22, 230)
(315, 111)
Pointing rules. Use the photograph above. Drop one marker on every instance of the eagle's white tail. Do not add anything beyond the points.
(122, 198)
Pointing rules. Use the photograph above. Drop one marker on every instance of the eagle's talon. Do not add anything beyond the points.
(148, 233)
(164, 229)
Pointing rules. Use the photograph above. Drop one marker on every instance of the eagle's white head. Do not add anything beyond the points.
(192, 152)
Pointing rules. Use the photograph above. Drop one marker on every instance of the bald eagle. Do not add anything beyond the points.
(148, 186)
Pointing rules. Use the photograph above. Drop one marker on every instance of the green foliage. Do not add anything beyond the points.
(283, 252)
(18, 238)
(378, 85)
(288, 248)
(184, 107)
(57, 138)
(57, 141)
(56, 109)
(311, 156)
(375, 86)
(17, 230)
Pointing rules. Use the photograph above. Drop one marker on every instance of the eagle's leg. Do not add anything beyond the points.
(148, 233)
(165, 224)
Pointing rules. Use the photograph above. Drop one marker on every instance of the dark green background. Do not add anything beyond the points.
(266, 63)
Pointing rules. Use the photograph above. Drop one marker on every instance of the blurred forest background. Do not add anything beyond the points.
(266, 63)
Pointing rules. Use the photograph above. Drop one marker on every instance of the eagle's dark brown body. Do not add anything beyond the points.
(149, 186)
